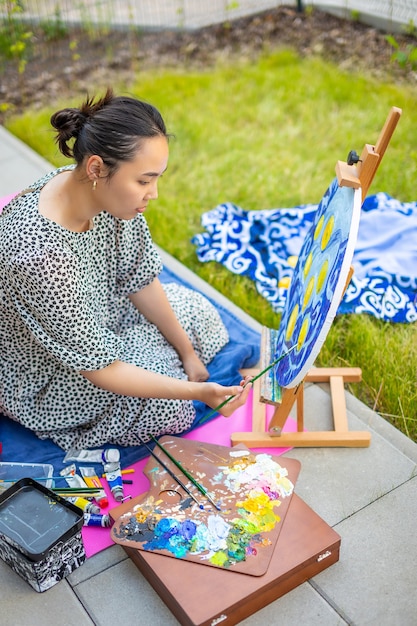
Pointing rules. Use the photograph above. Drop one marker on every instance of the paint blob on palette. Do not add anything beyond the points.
(252, 493)
(318, 282)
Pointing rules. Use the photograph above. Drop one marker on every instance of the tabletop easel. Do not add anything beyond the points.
(357, 173)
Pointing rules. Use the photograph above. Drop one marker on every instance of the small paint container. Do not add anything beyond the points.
(40, 534)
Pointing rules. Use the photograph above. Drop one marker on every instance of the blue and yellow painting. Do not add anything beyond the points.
(318, 282)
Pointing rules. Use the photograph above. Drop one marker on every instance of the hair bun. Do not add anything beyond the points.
(68, 123)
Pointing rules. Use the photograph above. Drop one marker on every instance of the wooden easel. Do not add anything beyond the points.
(357, 172)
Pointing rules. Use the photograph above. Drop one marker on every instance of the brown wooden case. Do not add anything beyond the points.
(205, 596)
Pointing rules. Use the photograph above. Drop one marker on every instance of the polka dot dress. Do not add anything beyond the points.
(64, 307)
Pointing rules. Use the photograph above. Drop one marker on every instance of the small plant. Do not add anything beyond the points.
(228, 7)
(87, 23)
(98, 27)
(410, 29)
(18, 51)
(134, 33)
(181, 14)
(404, 57)
(54, 29)
(308, 10)
(15, 39)
(5, 107)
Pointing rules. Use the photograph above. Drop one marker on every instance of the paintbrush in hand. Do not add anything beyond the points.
(252, 380)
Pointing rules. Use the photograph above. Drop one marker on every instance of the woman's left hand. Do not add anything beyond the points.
(194, 368)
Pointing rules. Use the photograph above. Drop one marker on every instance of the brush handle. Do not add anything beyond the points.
(252, 380)
(169, 471)
(190, 477)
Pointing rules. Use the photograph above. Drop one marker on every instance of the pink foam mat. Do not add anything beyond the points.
(5, 200)
(218, 431)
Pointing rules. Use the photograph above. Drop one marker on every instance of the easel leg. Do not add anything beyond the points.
(281, 413)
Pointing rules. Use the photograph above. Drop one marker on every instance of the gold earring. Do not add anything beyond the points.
(94, 184)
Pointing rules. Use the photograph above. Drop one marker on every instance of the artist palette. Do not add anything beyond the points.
(252, 493)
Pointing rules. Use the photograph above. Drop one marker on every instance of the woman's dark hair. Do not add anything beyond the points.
(112, 127)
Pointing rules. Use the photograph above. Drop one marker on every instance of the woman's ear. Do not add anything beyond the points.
(94, 167)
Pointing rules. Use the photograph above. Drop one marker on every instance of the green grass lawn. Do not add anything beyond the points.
(267, 134)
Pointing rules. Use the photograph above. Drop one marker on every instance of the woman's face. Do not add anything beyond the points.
(128, 191)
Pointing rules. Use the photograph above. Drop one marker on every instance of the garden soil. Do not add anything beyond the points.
(79, 61)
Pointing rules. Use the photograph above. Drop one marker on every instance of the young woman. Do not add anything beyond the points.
(93, 348)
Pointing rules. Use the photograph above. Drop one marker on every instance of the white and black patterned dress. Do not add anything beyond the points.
(64, 307)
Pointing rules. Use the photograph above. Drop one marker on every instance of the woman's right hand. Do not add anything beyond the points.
(129, 380)
(216, 394)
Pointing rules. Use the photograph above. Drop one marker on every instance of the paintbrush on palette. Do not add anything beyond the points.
(186, 473)
(252, 380)
(170, 472)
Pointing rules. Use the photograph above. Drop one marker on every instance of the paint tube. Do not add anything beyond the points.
(84, 505)
(73, 479)
(114, 480)
(93, 480)
(83, 456)
(111, 455)
(91, 519)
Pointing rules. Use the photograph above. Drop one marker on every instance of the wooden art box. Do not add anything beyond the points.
(297, 547)
(40, 534)
(306, 546)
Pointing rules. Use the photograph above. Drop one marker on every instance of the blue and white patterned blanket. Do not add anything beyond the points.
(264, 245)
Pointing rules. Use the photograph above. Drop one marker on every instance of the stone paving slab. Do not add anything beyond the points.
(20, 605)
(374, 580)
(338, 482)
(98, 563)
(138, 598)
(19, 165)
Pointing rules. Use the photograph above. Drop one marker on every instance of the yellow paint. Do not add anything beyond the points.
(291, 323)
(308, 293)
(284, 283)
(260, 515)
(321, 278)
(307, 266)
(319, 227)
(141, 516)
(219, 558)
(292, 261)
(303, 333)
(327, 233)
